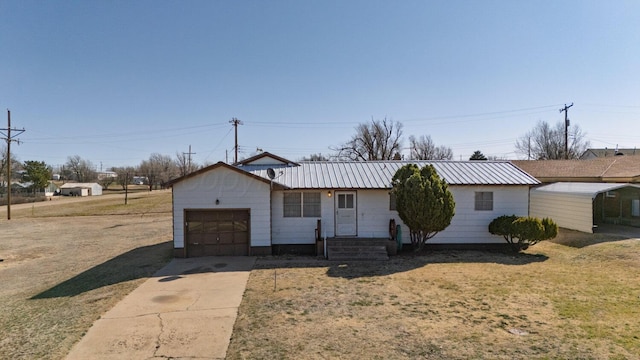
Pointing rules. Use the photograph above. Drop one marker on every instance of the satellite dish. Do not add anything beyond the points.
(271, 174)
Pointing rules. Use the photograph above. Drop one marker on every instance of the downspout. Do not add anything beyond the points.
(271, 215)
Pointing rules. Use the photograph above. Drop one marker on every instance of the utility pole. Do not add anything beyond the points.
(566, 129)
(6, 133)
(189, 159)
(235, 122)
(126, 187)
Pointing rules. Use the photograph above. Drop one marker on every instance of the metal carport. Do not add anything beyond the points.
(582, 206)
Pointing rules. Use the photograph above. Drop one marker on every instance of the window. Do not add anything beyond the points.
(346, 201)
(484, 200)
(392, 201)
(292, 202)
(311, 204)
(297, 204)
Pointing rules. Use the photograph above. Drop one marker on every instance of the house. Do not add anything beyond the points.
(49, 190)
(613, 169)
(81, 189)
(583, 206)
(267, 204)
(600, 153)
(107, 174)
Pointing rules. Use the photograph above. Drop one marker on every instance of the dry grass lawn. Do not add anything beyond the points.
(575, 298)
(67, 261)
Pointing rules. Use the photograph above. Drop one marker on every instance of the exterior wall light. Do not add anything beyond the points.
(329, 193)
(217, 201)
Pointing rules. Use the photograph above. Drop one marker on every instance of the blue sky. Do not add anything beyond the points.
(114, 81)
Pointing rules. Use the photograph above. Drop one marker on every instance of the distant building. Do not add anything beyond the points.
(107, 174)
(612, 169)
(81, 189)
(600, 153)
(139, 180)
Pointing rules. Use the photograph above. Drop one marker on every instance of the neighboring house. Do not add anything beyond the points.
(20, 187)
(139, 180)
(584, 206)
(49, 190)
(601, 153)
(614, 169)
(266, 203)
(81, 189)
(107, 174)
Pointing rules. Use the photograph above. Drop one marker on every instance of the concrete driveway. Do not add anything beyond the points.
(186, 310)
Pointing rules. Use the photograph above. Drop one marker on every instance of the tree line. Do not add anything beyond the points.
(383, 140)
(156, 171)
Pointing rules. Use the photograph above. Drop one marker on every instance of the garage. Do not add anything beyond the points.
(585, 206)
(217, 232)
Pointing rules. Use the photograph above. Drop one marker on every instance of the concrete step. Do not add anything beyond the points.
(357, 252)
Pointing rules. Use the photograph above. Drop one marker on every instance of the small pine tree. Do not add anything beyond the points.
(423, 201)
(478, 155)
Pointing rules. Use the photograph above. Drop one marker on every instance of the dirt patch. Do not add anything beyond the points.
(554, 301)
(67, 263)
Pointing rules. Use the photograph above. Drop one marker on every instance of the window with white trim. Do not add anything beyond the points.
(301, 204)
(484, 201)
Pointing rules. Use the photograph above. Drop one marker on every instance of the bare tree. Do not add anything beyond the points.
(125, 174)
(377, 140)
(106, 181)
(184, 164)
(3, 166)
(158, 169)
(545, 142)
(81, 170)
(423, 148)
(315, 157)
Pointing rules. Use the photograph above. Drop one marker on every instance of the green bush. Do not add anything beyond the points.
(522, 232)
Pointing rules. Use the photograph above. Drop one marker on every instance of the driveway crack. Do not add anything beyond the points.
(160, 333)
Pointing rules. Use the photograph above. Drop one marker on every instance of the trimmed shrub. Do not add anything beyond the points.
(522, 232)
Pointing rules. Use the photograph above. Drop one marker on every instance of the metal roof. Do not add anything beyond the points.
(378, 174)
(581, 188)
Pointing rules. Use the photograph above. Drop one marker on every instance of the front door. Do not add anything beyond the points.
(346, 213)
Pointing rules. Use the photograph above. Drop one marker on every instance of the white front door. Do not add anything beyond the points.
(346, 213)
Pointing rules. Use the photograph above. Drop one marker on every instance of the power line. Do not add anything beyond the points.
(235, 122)
(189, 158)
(566, 129)
(9, 139)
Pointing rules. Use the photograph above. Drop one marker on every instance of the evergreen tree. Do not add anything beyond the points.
(423, 201)
(38, 174)
(478, 155)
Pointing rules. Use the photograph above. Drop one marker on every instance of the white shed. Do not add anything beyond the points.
(81, 189)
(583, 206)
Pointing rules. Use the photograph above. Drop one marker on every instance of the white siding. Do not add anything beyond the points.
(233, 190)
(467, 226)
(374, 213)
(300, 230)
(81, 189)
(570, 211)
(470, 226)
